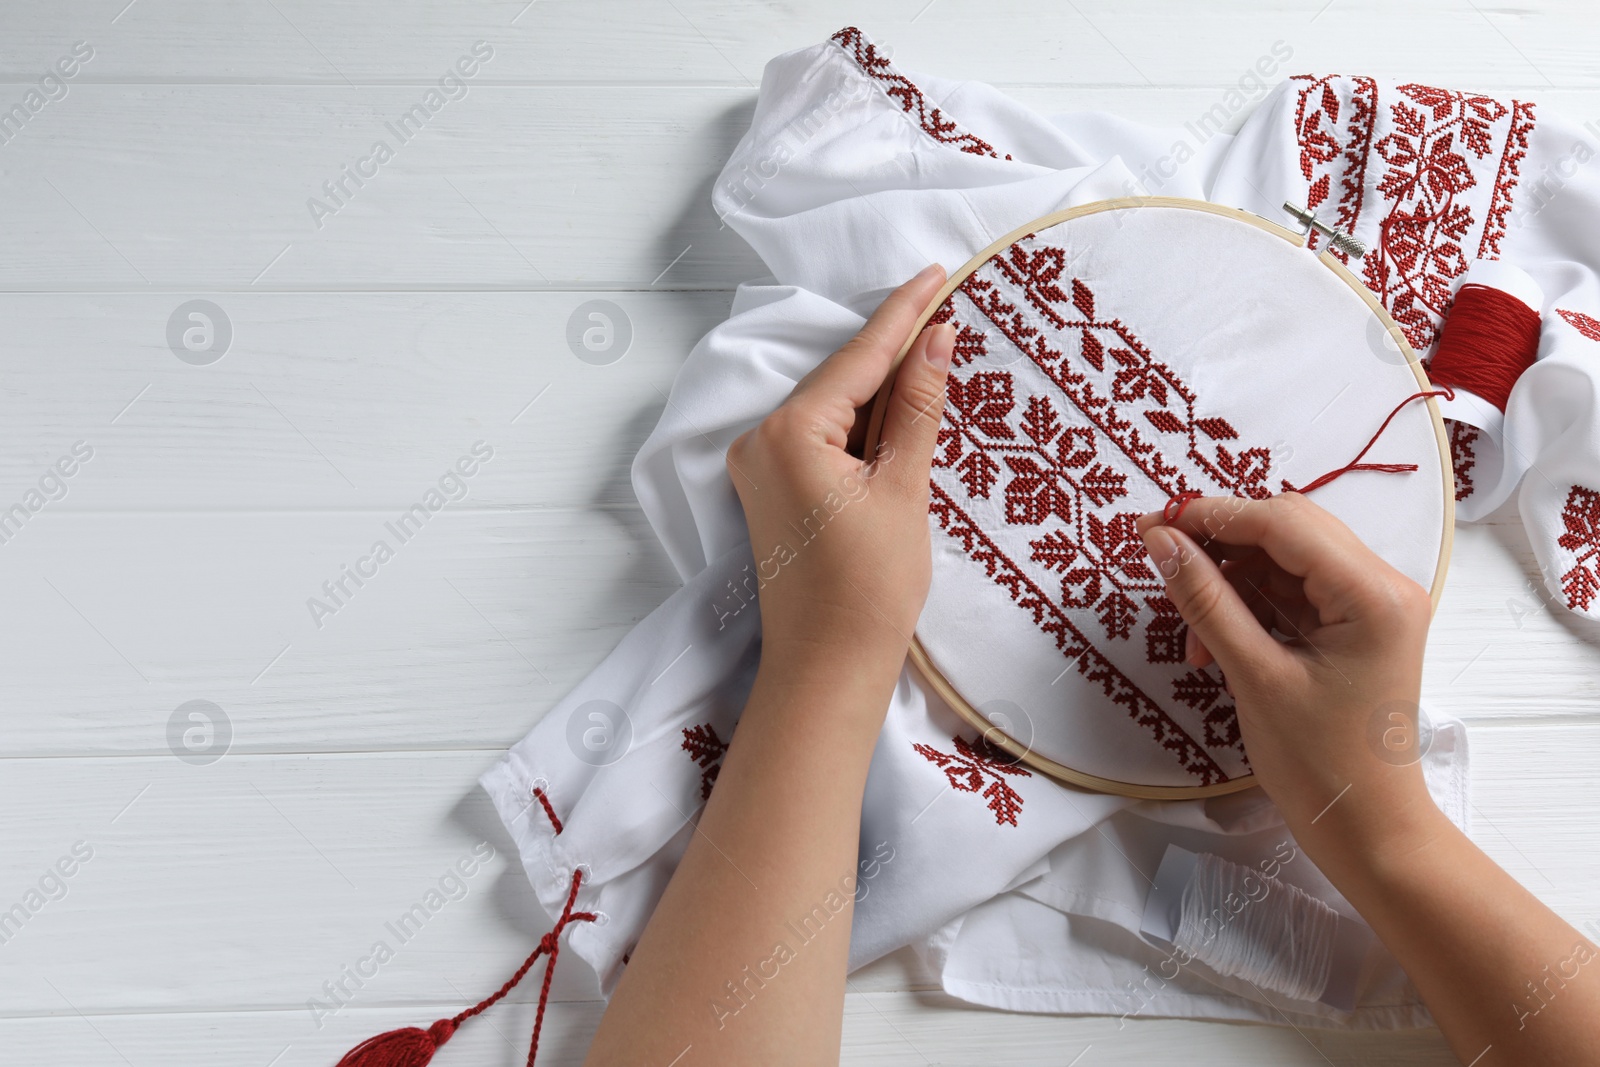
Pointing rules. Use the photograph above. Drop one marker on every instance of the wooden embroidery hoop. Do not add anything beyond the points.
(993, 734)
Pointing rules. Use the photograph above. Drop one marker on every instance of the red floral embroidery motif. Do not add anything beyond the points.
(1462, 457)
(902, 90)
(706, 749)
(1581, 517)
(978, 767)
(1047, 446)
(1584, 324)
(1444, 166)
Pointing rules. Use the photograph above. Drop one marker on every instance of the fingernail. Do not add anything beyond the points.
(941, 346)
(1163, 549)
(932, 270)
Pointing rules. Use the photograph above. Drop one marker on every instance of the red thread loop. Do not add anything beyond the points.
(412, 1047)
(1173, 508)
(1489, 339)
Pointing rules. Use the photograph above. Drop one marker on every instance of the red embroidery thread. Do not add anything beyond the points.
(1488, 340)
(971, 766)
(901, 89)
(1584, 324)
(1581, 517)
(706, 749)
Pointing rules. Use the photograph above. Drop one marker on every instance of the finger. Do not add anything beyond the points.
(856, 372)
(916, 403)
(1339, 571)
(1276, 597)
(1221, 621)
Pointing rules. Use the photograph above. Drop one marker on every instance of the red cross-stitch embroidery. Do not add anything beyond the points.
(706, 749)
(904, 92)
(1581, 518)
(1046, 447)
(977, 767)
(1327, 150)
(1083, 656)
(1444, 167)
(1584, 324)
(1463, 436)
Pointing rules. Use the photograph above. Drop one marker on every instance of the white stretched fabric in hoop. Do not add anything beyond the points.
(1105, 363)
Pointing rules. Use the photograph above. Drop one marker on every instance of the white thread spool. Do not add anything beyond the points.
(1245, 925)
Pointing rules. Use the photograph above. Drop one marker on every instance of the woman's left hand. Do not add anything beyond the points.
(841, 543)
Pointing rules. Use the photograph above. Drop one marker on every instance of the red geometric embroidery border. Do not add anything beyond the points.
(1136, 377)
(910, 98)
(1463, 436)
(1322, 143)
(1045, 472)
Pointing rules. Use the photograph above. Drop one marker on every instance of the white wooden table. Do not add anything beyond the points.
(366, 355)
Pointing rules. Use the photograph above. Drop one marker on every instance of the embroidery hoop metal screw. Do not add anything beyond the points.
(1340, 240)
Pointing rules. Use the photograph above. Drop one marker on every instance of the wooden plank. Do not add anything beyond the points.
(703, 42)
(120, 617)
(1501, 647)
(334, 401)
(247, 883)
(892, 1029)
(479, 624)
(509, 187)
(475, 626)
(505, 188)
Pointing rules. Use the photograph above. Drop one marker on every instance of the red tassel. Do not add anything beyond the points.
(412, 1047)
(409, 1047)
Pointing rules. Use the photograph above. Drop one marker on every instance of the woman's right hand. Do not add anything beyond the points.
(1328, 715)
(1329, 712)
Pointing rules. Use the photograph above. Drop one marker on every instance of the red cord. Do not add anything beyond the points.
(548, 810)
(414, 1047)
(549, 944)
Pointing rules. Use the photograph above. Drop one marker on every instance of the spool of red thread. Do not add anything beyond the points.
(1491, 334)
